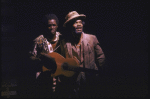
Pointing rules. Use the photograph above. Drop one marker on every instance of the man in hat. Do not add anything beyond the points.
(86, 48)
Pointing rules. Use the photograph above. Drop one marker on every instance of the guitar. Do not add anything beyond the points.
(66, 66)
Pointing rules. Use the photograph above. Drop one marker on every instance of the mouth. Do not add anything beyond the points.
(79, 28)
(52, 30)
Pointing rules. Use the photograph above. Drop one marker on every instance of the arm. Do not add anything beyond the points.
(33, 54)
(99, 54)
(42, 58)
(36, 48)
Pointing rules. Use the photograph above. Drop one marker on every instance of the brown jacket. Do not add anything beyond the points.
(93, 56)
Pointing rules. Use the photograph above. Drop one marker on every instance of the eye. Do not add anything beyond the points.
(49, 25)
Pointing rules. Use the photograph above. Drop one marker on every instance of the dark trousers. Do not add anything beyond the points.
(43, 85)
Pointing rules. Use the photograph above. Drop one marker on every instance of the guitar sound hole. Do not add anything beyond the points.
(65, 66)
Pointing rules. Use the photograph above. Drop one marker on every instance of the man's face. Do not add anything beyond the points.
(78, 26)
(52, 26)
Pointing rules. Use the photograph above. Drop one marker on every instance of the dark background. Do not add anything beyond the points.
(120, 26)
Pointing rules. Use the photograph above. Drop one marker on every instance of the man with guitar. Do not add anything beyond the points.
(48, 42)
(86, 49)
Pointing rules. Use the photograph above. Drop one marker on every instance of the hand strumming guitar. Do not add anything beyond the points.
(48, 61)
(45, 60)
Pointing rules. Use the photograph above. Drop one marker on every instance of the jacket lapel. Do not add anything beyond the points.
(68, 50)
(84, 50)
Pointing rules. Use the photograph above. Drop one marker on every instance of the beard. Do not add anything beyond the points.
(78, 31)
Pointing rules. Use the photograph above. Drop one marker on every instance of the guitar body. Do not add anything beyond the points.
(60, 60)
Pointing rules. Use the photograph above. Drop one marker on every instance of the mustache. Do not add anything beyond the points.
(79, 27)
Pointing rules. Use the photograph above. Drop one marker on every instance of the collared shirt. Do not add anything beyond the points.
(76, 51)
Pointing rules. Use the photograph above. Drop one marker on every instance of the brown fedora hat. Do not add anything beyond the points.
(72, 15)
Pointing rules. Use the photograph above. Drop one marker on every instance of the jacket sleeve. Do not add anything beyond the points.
(33, 51)
(99, 54)
(34, 63)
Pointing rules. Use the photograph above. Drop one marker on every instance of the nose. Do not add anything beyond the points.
(79, 24)
(51, 27)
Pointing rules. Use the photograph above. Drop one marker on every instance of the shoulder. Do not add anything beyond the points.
(60, 36)
(89, 36)
(58, 33)
(40, 37)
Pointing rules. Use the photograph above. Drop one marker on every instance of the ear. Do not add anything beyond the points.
(83, 22)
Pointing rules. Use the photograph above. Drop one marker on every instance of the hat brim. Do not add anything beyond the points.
(82, 16)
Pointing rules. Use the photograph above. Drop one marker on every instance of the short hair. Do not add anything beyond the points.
(49, 17)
